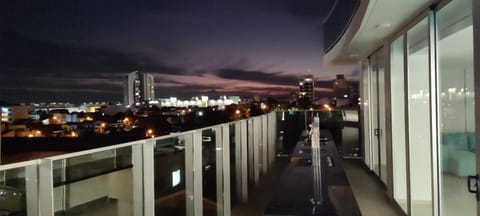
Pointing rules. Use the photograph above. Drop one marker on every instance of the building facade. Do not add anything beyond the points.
(340, 86)
(307, 89)
(138, 88)
(13, 113)
(420, 116)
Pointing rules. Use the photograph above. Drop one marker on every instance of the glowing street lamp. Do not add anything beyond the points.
(263, 106)
(150, 133)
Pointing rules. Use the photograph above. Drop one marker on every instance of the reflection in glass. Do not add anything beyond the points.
(210, 173)
(456, 89)
(398, 127)
(374, 100)
(169, 175)
(419, 119)
(235, 186)
(98, 182)
(13, 192)
(365, 110)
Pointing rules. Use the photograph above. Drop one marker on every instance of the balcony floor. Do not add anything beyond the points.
(369, 192)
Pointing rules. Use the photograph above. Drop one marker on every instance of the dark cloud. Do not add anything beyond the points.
(82, 49)
(258, 76)
(73, 95)
(270, 78)
(23, 54)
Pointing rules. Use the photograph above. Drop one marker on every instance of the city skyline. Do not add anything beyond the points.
(80, 51)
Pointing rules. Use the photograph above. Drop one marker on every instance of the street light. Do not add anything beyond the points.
(150, 133)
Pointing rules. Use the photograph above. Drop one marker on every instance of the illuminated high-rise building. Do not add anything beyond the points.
(307, 88)
(340, 86)
(139, 87)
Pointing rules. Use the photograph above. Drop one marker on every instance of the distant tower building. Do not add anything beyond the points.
(139, 87)
(307, 88)
(340, 86)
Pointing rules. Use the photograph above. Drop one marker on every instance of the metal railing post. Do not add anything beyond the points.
(45, 195)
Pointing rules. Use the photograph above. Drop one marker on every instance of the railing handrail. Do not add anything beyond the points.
(123, 145)
(115, 146)
(19, 164)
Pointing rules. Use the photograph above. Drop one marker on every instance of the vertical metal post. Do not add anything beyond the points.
(45, 195)
(272, 137)
(316, 161)
(238, 159)
(148, 178)
(219, 168)
(244, 154)
(256, 150)
(65, 199)
(476, 75)
(250, 150)
(226, 170)
(31, 184)
(264, 135)
(138, 179)
(197, 173)
(189, 180)
(434, 115)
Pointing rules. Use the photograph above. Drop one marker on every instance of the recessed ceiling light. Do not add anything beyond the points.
(383, 26)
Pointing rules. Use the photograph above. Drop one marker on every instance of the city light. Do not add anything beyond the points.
(150, 133)
(263, 106)
(327, 107)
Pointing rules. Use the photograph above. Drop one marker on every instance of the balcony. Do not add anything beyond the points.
(218, 170)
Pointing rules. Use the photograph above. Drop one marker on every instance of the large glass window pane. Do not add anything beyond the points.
(100, 183)
(374, 121)
(365, 110)
(381, 116)
(456, 125)
(15, 185)
(419, 120)
(398, 123)
(235, 166)
(170, 175)
(211, 172)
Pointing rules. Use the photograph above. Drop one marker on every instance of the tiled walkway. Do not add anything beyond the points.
(369, 193)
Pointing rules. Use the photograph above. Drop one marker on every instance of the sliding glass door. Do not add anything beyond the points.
(457, 158)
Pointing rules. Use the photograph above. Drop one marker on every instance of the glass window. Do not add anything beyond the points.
(17, 188)
(419, 120)
(170, 174)
(365, 106)
(457, 149)
(397, 96)
(97, 182)
(211, 172)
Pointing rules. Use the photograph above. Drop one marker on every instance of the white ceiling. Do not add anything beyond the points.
(380, 20)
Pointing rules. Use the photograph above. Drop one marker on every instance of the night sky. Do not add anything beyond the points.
(81, 50)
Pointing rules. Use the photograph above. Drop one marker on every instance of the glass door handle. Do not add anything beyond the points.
(473, 185)
(377, 132)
